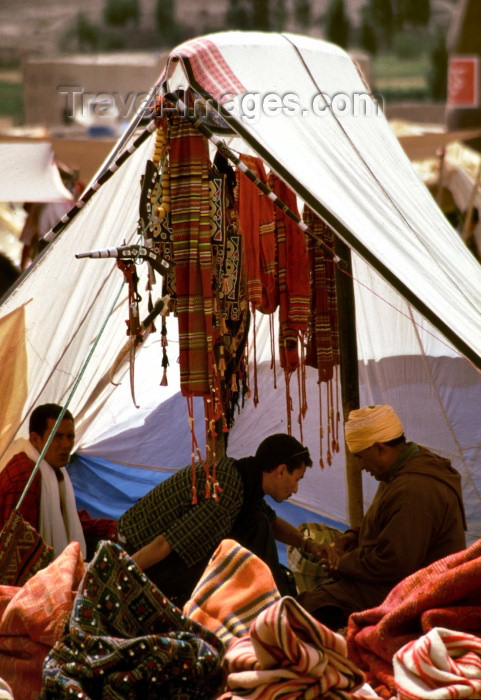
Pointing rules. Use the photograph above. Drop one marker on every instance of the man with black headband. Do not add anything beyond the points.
(172, 538)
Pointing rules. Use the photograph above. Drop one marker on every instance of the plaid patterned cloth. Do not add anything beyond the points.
(32, 619)
(209, 67)
(441, 663)
(192, 531)
(288, 654)
(443, 594)
(235, 587)
(126, 640)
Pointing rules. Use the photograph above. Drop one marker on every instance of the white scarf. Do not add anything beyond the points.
(56, 529)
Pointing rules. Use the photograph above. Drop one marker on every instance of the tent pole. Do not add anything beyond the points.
(349, 373)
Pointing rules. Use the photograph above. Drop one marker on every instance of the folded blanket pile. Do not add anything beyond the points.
(443, 594)
(125, 639)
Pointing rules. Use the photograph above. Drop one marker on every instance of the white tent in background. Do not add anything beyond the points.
(417, 288)
(28, 173)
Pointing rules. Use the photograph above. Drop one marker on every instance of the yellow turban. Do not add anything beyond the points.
(371, 424)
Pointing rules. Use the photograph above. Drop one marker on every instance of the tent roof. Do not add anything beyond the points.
(28, 174)
(343, 160)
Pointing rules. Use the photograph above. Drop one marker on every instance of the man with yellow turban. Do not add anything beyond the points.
(415, 518)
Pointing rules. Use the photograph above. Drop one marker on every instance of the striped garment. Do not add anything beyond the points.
(440, 664)
(236, 586)
(288, 654)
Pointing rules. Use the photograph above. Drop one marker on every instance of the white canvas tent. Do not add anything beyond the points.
(417, 287)
(28, 173)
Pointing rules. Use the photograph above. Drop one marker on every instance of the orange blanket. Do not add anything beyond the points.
(235, 587)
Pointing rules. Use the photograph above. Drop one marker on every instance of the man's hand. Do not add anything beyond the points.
(312, 548)
(152, 553)
(331, 556)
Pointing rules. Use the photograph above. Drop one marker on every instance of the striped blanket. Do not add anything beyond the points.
(444, 594)
(288, 654)
(275, 648)
(236, 586)
(440, 664)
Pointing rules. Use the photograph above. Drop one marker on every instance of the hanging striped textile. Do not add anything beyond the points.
(293, 277)
(191, 238)
(323, 336)
(256, 226)
(322, 348)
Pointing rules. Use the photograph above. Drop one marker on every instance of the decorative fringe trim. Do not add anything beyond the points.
(287, 379)
(273, 348)
(256, 391)
(195, 452)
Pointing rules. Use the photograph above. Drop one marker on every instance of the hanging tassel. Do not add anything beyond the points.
(303, 376)
(329, 421)
(287, 379)
(165, 364)
(190, 411)
(246, 378)
(321, 428)
(338, 415)
(299, 397)
(334, 445)
(211, 484)
(165, 358)
(273, 347)
(256, 391)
